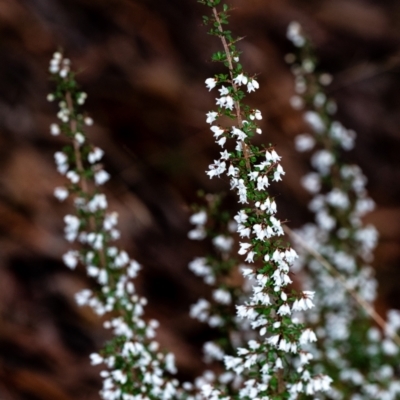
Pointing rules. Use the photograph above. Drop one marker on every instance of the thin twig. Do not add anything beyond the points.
(333, 271)
(237, 103)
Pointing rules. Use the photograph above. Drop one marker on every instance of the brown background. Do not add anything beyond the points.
(143, 64)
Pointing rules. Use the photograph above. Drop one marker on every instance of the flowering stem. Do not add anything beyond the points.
(334, 272)
(234, 86)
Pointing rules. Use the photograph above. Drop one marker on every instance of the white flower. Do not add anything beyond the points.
(338, 199)
(278, 172)
(225, 155)
(73, 176)
(241, 217)
(273, 340)
(61, 193)
(244, 248)
(88, 121)
(315, 121)
(95, 155)
(272, 156)
(71, 259)
(250, 256)
(322, 161)
(221, 141)
(200, 310)
(216, 169)
(294, 34)
(210, 83)
(239, 133)
(311, 182)
(71, 227)
(199, 218)
(252, 85)
(225, 101)
(223, 91)
(222, 296)
(198, 233)
(296, 102)
(55, 129)
(101, 177)
(79, 138)
(284, 309)
(240, 80)
(223, 243)
(217, 131)
(307, 336)
(61, 160)
(304, 142)
(96, 359)
(211, 117)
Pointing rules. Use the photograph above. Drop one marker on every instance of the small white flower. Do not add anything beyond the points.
(73, 176)
(100, 177)
(71, 259)
(225, 155)
(217, 131)
(278, 172)
(311, 182)
(60, 193)
(238, 133)
(55, 129)
(304, 142)
(88, 121)
(79, 138)
(210, 83)
(96, 359)
(296, 102)
(223, 91)
(211, 117)
(222, 296)
(221, 141)
(307, 336)
(252, 85)
(223, 243)
(95, 155)
(198, 233)
(240, 80)
(294, 34)
(199, 218)
(315, 121)
(250, 256)
(244, 248)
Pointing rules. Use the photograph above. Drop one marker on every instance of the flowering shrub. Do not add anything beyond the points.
(134, 367)
(264, 348)
(361, 359)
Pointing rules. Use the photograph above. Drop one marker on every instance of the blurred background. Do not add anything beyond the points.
(143, 64)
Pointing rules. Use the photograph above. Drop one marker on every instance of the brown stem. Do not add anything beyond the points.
(236, 103)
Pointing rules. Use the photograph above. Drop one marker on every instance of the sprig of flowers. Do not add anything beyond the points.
(275, 364)
(219, 269)
(361, 359)
(134, 367)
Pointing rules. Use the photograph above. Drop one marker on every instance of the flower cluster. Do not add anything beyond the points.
(219, 270)
(274, 364)
(362, 360)
(133, 366)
